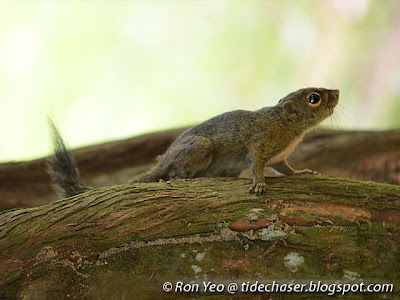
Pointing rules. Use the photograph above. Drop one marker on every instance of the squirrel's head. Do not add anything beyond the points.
(310, 106)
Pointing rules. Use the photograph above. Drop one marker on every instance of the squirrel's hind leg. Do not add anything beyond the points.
(285, 169)
(191, 157)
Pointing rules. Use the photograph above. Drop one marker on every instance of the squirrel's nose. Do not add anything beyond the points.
(336, 93)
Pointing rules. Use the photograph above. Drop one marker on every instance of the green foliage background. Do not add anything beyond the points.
(112, 69)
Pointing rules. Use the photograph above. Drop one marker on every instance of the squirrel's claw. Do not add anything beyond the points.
(258, 188)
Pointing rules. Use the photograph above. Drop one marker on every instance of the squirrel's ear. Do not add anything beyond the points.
(290, 110)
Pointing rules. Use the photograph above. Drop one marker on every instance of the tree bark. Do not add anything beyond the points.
(125, 241)
(364, 155)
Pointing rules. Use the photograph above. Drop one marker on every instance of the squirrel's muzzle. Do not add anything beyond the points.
(334, 97)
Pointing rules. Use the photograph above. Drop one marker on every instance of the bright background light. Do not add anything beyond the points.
(113, 69)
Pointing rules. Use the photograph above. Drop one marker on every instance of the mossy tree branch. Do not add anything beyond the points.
(125, 240)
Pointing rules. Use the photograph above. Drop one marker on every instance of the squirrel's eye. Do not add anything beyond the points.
(314, 99)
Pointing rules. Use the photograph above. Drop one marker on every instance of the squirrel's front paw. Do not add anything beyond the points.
(306, 172)
(258, 188)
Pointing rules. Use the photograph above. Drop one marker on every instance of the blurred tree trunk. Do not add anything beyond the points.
(364, 155)
(125, 241)
(27, 184)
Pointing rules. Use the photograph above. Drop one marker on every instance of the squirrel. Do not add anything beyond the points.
(225, 145)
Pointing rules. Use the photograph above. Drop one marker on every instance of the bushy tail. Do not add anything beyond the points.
(62, 168)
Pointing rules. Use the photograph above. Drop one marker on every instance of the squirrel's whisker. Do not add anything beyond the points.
(340, 108)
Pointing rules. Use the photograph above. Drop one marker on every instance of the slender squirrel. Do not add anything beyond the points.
(224, 145)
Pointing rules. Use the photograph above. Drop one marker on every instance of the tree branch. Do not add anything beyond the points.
(122, 240)
(364, 155)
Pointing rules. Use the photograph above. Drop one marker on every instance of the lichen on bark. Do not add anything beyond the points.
(126, 240)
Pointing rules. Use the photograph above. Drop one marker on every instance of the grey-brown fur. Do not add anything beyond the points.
(62, 168)
(233, 141)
